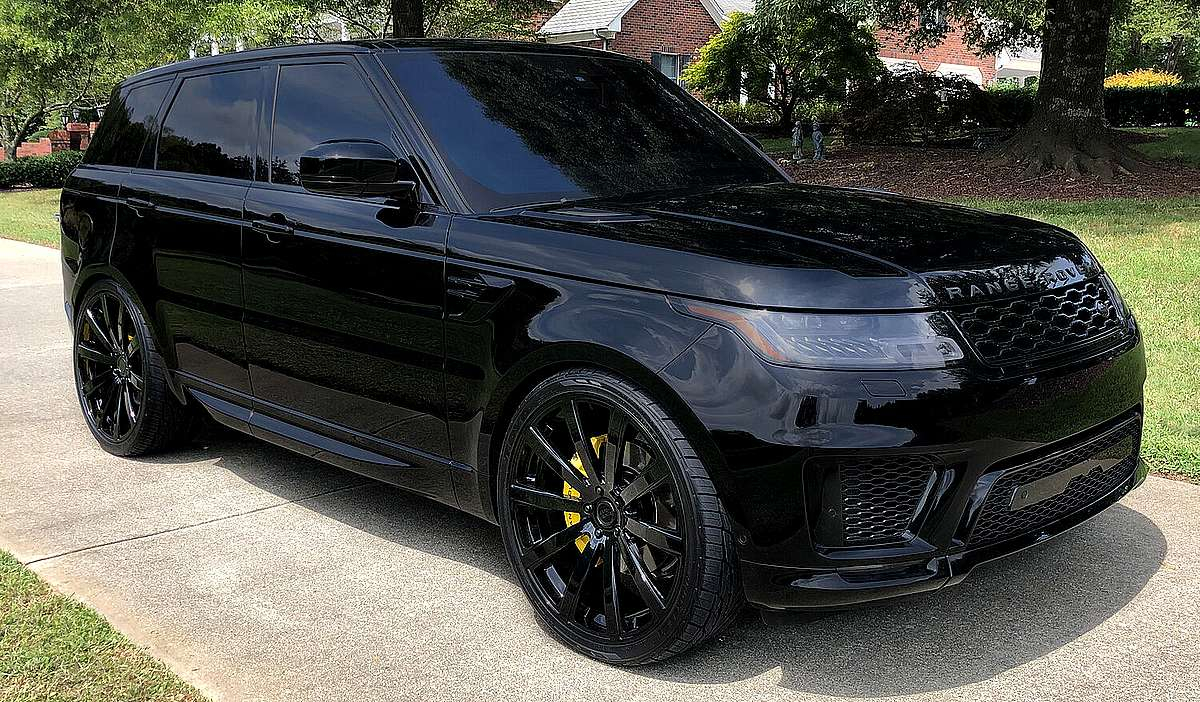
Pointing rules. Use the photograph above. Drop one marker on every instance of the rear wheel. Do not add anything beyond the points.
(611, 523)
(121, 379)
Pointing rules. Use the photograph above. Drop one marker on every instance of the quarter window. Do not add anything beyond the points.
(210, 128)
(320, 102)
(131, 116)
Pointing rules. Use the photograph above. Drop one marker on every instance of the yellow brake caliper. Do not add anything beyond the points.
(572, 518)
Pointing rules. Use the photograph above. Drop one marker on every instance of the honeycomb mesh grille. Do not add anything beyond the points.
(997, 522)
(881, 495)
(1042, 325)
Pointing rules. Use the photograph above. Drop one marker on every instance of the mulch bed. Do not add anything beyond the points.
(963, 173)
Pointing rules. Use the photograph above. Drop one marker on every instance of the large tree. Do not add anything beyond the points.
(785, 63)
(1068, 130)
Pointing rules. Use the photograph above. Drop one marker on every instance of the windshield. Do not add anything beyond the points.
(522, 128)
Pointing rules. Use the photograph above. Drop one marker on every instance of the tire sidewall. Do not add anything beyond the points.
(669, 628)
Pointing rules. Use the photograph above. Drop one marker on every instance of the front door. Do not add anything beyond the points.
(344, 295)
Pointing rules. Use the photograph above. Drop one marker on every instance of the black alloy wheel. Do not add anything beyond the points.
(607, 525)
(121, 379)
(111, 364)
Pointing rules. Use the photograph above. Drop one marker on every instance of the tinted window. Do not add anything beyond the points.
(516, 128)
(131, 116)
(210, 128)
(316, 103)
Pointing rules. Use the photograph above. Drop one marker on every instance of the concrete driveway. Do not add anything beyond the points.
(258, 574)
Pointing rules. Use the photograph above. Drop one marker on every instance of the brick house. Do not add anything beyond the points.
(668, 33)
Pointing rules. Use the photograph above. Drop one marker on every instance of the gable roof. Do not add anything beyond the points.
(605, 15)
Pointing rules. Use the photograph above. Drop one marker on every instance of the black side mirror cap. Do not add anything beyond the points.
(357, 168)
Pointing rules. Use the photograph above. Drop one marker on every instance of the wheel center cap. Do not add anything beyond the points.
(606, 514)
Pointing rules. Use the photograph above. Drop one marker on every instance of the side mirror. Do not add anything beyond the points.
(357, 168)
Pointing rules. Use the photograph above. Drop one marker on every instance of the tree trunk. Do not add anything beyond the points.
(408, 18)
(1068, 131)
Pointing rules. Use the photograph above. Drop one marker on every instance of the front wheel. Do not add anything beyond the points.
(611, 522)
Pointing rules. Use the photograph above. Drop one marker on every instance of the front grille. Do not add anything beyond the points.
(1041, 325)
(881, 496)
(997, 521)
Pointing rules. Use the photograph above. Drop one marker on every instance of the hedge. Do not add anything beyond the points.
(1157, 106)
(39, 171)
(1152, 106)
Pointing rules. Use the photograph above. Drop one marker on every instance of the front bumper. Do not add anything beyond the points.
(785, 447)
(774, 587)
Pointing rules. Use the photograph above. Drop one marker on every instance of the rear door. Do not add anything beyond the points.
(344, 295)
(183, 217)
(90, 198)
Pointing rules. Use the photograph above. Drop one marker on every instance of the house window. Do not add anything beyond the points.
(670, 65)
(933, 20)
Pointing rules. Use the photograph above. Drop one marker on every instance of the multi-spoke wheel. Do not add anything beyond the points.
(611, 522)
(120, 378)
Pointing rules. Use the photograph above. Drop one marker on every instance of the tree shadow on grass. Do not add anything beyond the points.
(1005, 614)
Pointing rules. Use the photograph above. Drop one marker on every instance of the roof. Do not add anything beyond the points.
(357, 47)
(605, 15)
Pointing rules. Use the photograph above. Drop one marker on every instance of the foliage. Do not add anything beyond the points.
(1157, 34)
(1009, 106)
(39, 171)
(913, 106)
(1142, 78)
(746, 117)
(1168, 106)
(786, 60)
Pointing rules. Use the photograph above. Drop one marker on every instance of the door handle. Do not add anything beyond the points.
(272, 229)
(139, 205)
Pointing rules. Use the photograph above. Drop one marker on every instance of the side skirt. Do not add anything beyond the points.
(429, 475)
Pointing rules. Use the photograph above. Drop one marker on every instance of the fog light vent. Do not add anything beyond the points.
(882, 496)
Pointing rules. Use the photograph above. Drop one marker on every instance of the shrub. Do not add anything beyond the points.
(39, 171)
(750, 116)
(1008, 106)
(913, 106)
(1142, 78)
(1161, 106)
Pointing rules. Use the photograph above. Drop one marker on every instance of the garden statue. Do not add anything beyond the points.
(798, 140)
(818, 141)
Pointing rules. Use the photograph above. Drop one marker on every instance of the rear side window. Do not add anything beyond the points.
(316, 103)
(131, 117)
(210, 127)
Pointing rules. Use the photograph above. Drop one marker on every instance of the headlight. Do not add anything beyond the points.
(837, 341)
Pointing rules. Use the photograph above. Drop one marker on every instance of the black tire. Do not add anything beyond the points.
(133, 412)
(690, 546)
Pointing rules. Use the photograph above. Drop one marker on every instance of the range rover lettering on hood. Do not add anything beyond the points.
(1009, 280)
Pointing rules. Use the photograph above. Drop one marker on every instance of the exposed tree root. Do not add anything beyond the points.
(1078, 150)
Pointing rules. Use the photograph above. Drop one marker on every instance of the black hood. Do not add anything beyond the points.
(789, 245)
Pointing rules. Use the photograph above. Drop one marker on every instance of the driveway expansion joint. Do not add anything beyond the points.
(256, 510)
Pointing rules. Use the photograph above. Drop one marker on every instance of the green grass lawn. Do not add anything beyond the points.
(1181, 143)
(1152, 250)
(28, 215)
(54, 648)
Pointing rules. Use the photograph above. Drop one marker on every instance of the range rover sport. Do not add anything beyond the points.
(546, 286)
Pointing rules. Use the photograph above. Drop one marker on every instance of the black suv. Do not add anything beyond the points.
(546, 286)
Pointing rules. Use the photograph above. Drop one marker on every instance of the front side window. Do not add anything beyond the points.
(210, 127)
(131, 117)
(518, 128)
(316, 103)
